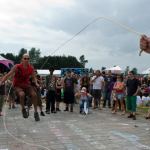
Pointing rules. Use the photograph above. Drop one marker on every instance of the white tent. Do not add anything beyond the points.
(147, 71)
(115, 69)
(45, 72)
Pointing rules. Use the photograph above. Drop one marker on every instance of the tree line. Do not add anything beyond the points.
(47, 62)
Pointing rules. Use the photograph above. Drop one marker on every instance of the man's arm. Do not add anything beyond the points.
(34, 79)
(138, 88)
(94, 78)
(10, 73)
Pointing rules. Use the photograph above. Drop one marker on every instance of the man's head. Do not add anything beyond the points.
(68, 73)
(97, 73)
(131, 74)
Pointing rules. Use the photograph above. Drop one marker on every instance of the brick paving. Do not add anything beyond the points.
(100, 130)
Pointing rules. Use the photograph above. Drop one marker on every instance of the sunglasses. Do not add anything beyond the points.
(26, 58)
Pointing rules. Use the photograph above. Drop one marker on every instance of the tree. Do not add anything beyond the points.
(83, 61)
(103, 68)
(21, 52)
(91, 70)
(135, 70)
(126, 70)
(34, 55)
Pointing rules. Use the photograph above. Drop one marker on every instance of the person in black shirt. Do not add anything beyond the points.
(107, 89)
(68, 85)
(132, 88)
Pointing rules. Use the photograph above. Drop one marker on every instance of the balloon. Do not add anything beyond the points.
(145, 44)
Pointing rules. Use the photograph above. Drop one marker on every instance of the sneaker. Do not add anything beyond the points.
(53, 112)
(130, 116)
(36, 116)
(24, 113)
(57, 109)
(113, 112)
(134, 117)
(42, 113)
(100, 108)
(123, 113)
(47, 112)
(71, 109)
(13, 106)
(66, 109)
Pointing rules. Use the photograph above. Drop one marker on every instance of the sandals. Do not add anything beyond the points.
(114, 112)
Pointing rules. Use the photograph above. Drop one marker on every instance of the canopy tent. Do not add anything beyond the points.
(5, 64)
(115, 69)
(45, 72)
(147, 71)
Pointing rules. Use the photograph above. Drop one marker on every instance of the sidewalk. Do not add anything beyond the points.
(100, 130)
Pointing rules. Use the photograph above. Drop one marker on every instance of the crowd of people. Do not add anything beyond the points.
(95, 91)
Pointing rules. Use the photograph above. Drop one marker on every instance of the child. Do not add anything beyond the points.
(84, 100)
(2, 94)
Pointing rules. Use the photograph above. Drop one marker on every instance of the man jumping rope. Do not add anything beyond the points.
(21, 81)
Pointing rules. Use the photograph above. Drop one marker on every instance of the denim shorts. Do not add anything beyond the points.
(119, 96)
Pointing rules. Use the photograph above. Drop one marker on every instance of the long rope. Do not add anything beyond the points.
(6, 129)
(60, 46)
(125, 27)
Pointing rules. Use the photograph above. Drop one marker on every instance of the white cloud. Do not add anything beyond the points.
(46, 24)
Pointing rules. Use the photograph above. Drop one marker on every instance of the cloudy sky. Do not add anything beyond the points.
(46, 24)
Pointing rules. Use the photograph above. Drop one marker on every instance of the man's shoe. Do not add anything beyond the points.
(71, 108)
(36, 116)
(13, 106)
(47, 112)
(130, 116)
(147, 117)
(53, 112)
(42, 113)
(24, 113)
(57, 109)
(134, 117)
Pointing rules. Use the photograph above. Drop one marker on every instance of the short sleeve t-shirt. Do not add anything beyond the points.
(69, 84)
(97, 84)
(132, 86)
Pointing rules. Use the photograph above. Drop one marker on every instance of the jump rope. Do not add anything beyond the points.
(60, 46)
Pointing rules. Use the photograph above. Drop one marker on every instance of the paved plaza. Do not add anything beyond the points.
(100, 130)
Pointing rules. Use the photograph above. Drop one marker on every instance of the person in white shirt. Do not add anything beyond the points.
(98, 83)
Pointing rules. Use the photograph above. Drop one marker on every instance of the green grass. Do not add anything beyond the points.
(142, 109)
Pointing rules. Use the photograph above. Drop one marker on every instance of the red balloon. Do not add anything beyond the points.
(145, 44)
